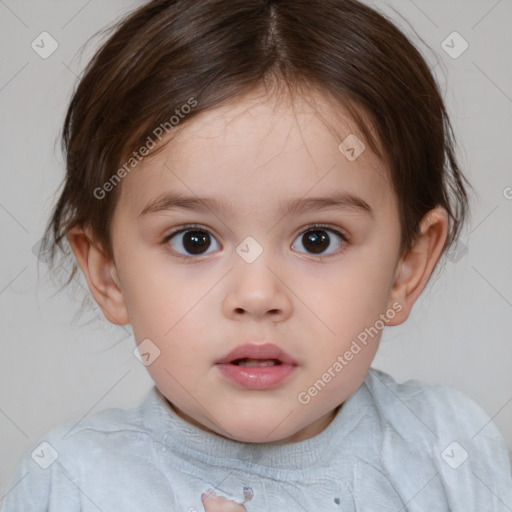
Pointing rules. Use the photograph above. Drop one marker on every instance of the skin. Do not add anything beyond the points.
(213, 503)
(250, 155)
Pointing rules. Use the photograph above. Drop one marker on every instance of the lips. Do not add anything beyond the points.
(256, 366)
(261, 352)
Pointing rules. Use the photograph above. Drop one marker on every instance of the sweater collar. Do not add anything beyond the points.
(181, 436)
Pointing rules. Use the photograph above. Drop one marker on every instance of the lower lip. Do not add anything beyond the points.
(256, 377)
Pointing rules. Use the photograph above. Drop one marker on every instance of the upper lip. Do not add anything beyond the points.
(257, 351)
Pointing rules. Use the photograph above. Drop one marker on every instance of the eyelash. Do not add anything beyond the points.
(312, 227)
(325, 227)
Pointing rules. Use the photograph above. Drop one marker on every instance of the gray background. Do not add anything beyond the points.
(55, 370)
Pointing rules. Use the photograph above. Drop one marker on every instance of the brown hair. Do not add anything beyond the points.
(169, 51)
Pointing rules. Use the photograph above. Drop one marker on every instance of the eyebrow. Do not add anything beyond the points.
(173, 201)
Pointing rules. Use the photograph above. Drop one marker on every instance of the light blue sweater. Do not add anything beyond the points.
(391, 447)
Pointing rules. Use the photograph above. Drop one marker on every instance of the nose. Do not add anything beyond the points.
(256, 290)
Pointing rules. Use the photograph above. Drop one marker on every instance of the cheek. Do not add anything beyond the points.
(353, 296)
(177, 323)
(349, 306)
(157, 297)
(184, 358)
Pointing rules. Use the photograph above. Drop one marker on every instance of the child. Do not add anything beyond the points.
(258, 187)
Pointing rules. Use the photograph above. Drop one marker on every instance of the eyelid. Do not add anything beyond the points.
(183, 229)
(327, 227)
(345, 237)
(186, 227)
(304, 229)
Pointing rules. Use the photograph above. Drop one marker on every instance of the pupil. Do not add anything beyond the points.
(315, 239)
(196, 241)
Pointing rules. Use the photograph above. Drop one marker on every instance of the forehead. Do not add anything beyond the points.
(262, 147)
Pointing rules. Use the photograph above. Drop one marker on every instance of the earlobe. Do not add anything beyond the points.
(101, 275)
(415, 268)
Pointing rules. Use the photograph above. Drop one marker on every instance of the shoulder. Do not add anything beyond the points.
(440, 431)
(438, 408)
(53, 467)
(92, 435)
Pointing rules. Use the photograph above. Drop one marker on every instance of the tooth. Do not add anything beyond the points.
(257, 363)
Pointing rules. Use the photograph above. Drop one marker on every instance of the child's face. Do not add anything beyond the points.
(311, 295)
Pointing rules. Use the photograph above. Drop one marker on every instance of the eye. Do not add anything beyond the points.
(317, 239)
(193, 240)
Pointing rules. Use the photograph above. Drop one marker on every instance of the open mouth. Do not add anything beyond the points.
(256, 362)
(257, 366)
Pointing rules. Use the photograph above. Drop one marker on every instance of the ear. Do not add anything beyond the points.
(415, 268)
(101, 275)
